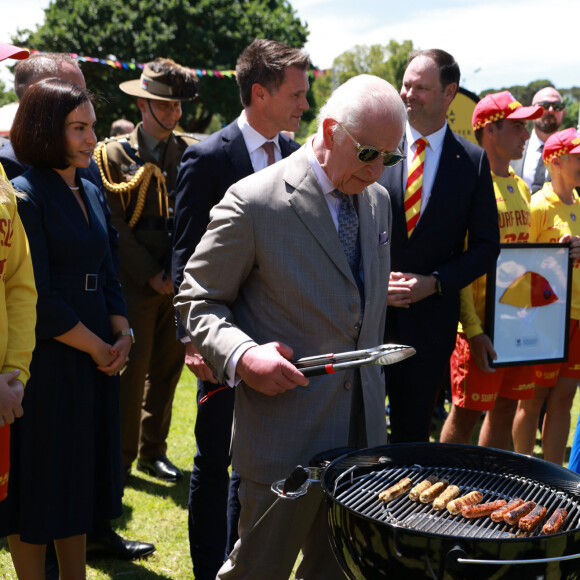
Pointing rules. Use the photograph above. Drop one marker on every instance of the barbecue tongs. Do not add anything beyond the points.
(384, 354)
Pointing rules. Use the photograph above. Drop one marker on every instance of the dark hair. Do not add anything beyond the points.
(447, 65)
(40, 66)
(478, 133)
(265, 62)
(38, 131)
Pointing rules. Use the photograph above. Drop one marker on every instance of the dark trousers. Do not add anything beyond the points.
(413, 388)
(214, 507)
(151, 375)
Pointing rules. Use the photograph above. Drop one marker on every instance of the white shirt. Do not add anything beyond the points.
(533, 155)
(432, 158)
(254, 142)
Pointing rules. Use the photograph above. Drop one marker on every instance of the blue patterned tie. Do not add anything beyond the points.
(349, 236)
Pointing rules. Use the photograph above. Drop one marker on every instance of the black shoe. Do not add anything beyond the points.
(161, 468)
(110, 543)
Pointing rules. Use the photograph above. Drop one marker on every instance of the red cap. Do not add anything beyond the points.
(9, 51)
(561, 143)
(497, 106)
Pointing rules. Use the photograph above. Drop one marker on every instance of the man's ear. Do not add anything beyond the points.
(141, 104)
(259, 93)
(328, 128)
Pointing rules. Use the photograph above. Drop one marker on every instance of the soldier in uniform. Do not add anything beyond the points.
(139, 171)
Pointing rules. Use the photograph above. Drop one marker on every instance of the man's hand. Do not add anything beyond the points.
(399, 290)
(266, 369)
(161, 283)
(195, 363)
(406, 288)
(481, 349)
(11, 393)
(574, 242)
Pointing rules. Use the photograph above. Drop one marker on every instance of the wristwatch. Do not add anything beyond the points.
(126, 332)
(438, 287)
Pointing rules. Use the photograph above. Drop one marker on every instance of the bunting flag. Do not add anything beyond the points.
(200, 72)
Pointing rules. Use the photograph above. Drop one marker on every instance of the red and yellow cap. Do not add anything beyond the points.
(497, 106)
(561, 143)
(9, 51)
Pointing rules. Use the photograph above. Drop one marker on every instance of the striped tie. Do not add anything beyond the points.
(415, 186)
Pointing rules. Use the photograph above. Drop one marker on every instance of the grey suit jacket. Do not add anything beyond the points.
(271, 268)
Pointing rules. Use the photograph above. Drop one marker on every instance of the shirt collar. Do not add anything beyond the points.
(323, 180)
(252, 138)
(435, 139)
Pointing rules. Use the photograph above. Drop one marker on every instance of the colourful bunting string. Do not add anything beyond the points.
(220, 74)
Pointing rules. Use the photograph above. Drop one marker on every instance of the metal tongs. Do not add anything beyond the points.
(384, 354)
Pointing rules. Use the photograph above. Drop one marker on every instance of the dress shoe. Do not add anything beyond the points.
(161, 468)
(109, 543)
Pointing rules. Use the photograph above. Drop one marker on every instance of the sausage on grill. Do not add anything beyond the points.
(529, 522)
(484, 509)
(448, 494)
(555, 522)
(432, 492)
(421, 487)
(471, 498)
(497, 515)
(396, 490)
(513, 516)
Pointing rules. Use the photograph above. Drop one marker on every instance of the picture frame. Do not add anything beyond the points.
(528, 297)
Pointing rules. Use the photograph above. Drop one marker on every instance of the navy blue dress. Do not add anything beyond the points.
(66, 450)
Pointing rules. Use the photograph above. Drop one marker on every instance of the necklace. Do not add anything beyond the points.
(74, 188)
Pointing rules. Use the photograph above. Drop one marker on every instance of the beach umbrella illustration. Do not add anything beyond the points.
(529, 290)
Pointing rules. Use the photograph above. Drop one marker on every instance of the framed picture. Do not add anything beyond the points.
(528, 304)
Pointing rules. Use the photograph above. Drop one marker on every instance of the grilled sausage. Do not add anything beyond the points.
(497, 515)
(529, 522)
(483, 509)
(448, 494)
(512, 517)
(396, 490)
(555, 522)
(432, 492)
(471, 498)
(421, 487)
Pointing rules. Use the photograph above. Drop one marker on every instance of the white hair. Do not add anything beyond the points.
(359, 96)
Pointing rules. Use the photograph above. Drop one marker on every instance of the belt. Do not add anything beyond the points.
(87, 282)
(155, 223)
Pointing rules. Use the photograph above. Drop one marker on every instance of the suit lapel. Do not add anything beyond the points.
(369, 240)
(307, 200)
(235, 149)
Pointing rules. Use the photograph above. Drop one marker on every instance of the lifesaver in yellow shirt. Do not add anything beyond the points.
(529, 290)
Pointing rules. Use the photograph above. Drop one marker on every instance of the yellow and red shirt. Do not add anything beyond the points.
(512, 196)
(551, 219)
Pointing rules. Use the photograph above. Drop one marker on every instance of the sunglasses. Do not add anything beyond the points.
(366, 153)
(557, 106)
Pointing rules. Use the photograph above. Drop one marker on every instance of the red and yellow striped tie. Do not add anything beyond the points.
(415, 186)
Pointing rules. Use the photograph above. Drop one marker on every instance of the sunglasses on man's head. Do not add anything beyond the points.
(366, 153)
(557, 106)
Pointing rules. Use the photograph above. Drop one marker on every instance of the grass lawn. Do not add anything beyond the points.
(157, 512)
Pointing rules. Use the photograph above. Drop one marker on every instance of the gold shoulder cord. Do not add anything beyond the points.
(141, 179)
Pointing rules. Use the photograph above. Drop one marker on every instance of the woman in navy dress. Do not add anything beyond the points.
(66, 452)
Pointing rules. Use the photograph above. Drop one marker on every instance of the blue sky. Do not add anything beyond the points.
(496, 42)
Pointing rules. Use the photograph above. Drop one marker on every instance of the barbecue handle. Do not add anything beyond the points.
(503, 562)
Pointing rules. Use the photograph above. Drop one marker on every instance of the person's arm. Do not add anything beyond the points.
(20, 299)
(213, 276)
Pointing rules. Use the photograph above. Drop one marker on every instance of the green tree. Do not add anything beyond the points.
(6, 97)
(201, 34)
(387, 62)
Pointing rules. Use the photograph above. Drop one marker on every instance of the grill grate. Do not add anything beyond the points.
(360, 493)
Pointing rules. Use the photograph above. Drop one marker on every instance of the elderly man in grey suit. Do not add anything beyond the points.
(274, 279)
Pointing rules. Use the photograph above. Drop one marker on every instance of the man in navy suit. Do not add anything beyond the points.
(454, 241)
(273, 81)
